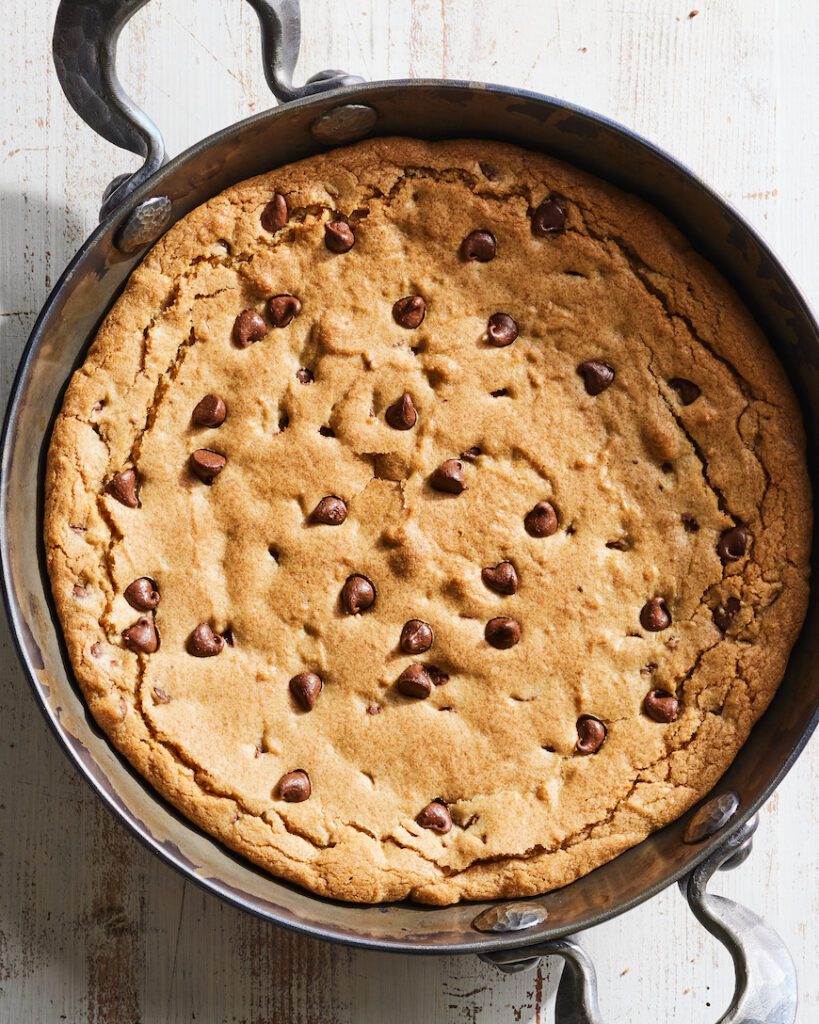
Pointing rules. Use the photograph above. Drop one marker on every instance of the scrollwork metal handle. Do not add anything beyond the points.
(85, 41)
(765, 990)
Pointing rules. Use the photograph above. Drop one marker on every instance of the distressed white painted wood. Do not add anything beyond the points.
(94, 929)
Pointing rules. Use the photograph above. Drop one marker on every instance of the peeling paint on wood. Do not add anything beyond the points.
(93, 929)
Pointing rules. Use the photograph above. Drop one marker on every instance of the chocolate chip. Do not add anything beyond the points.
(330, 511)
(373, 709)
(471, 453)
(541, 521)
(357, 594)
(249, 327)
(274, 215)
(306, 688)
(414, 681)
(661, 706)
(591, 734)
(327, 432)
(502, 578)
(480, 246)
(724, 614)
(204, 643)
(416, 636)
(282, 309)
(409, 312)
(160, 696)
(401, 414)
(501, 330)
(142, 594)
(79, 592)
(437, 675)
(596, 376)
(294, 787)
(732, 544)
(449, 477)
(548, 219)
(123, 487)
(436, 817)
(502, 632)
(209, 411)
(207, 465)
(304, 376)
(487, 170)
(338, 236)
(690, 523)
(654, 615)
(686, 389)
(142, 637)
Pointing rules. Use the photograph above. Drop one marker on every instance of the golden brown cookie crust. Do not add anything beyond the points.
(497, 742)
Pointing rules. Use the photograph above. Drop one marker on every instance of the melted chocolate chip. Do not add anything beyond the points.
(401, 415)
(502, 578)
(249, 327)
(687, 390)
(548, 219)
(283, 309)
(437, 675)
(449, 477)
(204, 643)
(339, 237)
(294, 787)
(596, 376)
(415, 681)
(654, 615)
(330, 511)
(436, 817)
(274, 215)
(160, 696)
(209, 411)
(541, 521)
(304, 376)
(502, 632)
(661, 706)
(123, 487)
(591, 734)
(416, 636)
(733, 544)
(207, 465)
(724, 614)
(690, 523)
(409, 312)
(306, 687)
(357, 594)
(501, 330)
(142, 637)
(142, 594)
(479, 246)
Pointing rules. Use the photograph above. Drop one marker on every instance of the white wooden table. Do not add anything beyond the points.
(92, 927)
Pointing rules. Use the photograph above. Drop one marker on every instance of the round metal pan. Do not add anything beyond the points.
(296, 129)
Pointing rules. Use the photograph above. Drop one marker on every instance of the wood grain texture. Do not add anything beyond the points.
(92, 927)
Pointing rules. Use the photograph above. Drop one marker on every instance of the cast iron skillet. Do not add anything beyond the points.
(332, 109)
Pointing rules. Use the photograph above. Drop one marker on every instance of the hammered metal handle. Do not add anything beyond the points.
(85, 41)
(765, 990)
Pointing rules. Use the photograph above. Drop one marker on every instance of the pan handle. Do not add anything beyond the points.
(85, 42)
(765, 991)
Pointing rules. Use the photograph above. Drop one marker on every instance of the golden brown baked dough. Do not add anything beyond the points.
(598, 413)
